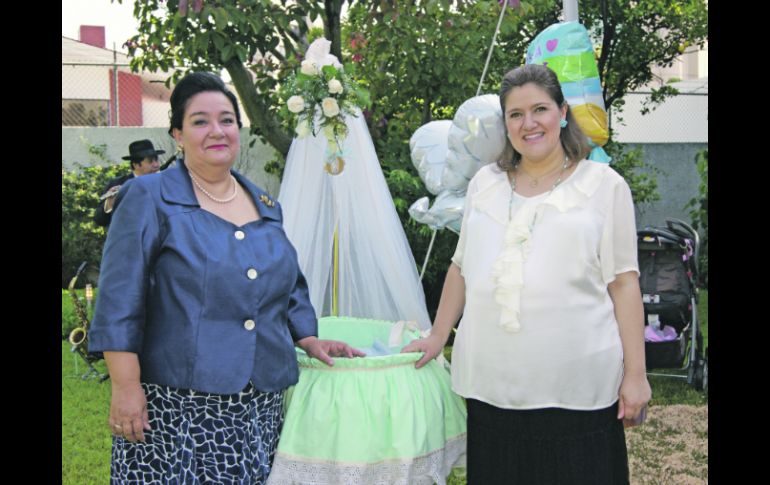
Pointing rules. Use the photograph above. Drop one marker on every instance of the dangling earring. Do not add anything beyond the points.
(563, 123)
(179, 150)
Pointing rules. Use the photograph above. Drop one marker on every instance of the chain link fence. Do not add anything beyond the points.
(112, 95)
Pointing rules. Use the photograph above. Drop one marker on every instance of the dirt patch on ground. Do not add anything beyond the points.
(671, 447)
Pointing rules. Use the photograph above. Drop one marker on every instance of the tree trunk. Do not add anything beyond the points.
(256, 108)
(332, 29)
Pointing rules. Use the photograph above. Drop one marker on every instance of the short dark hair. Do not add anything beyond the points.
(192, 84)
(573, 140)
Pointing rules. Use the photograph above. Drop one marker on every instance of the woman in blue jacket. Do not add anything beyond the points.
(201, 303)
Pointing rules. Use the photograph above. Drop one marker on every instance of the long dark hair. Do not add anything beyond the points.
(573, 140)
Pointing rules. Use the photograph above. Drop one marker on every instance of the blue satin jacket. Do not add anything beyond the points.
(205, 304)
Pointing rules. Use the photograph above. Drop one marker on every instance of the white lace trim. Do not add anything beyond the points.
(428, 469)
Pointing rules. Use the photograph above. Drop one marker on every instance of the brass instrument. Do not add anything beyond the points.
(79, 335)
(112, 192)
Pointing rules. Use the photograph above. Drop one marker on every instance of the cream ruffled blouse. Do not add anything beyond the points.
(538, 328)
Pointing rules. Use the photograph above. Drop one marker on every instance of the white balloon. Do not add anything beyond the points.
(476, 138)
(428, 147)
(478, 126)
(447, 209)
(446, 212)
(451, 179)
(419, 211)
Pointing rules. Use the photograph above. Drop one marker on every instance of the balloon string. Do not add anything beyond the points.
(491, 47)
(478, 90)
(427, 255)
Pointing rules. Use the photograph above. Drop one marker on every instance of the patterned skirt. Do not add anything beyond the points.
(202, 438)
(550, 446)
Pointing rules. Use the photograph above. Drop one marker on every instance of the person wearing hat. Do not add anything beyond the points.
(144, 160)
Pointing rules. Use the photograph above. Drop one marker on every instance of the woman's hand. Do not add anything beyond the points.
(432, 345)
(128, 412)
(634, 395)
(323, 350)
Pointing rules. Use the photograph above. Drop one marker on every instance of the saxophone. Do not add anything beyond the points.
(79, 335)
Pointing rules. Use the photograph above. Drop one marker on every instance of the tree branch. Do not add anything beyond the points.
(426, 116)
(256, 107)
(608, 31)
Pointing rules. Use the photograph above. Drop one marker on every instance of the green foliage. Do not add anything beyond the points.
(69, 319)
(82, 240)
(699, 214)
(220, 32)
(657, 95)
(633, 38)
(257, 41)
(629, 163)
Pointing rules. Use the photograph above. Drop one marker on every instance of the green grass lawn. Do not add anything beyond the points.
(85, 407)
(85, 439)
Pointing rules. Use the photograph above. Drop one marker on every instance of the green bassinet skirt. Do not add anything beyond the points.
(372, 420)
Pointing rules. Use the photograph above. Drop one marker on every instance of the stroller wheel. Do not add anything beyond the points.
(697, 375)
(691, 371)
(683, 340)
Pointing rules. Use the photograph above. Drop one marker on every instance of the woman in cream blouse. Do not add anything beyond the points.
(550, 349)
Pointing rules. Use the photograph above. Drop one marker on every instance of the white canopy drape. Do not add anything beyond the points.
(377, 273)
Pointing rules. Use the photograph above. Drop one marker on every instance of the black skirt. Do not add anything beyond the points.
(549, 446)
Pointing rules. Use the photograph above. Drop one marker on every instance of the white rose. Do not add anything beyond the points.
(330, 107)
(303, 128)
(335, 87)
(296, 104)
(308, 67)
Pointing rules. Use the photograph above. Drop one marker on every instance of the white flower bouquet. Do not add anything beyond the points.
(320, 93)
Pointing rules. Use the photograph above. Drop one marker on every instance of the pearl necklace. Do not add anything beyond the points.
(215, 199)
(564, 167)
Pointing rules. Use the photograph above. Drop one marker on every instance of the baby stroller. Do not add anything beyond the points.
(668, 267)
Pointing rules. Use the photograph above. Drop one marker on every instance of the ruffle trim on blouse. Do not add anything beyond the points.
(508, 268)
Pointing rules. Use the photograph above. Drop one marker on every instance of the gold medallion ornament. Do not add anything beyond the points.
(335, 166)
(267, 200)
